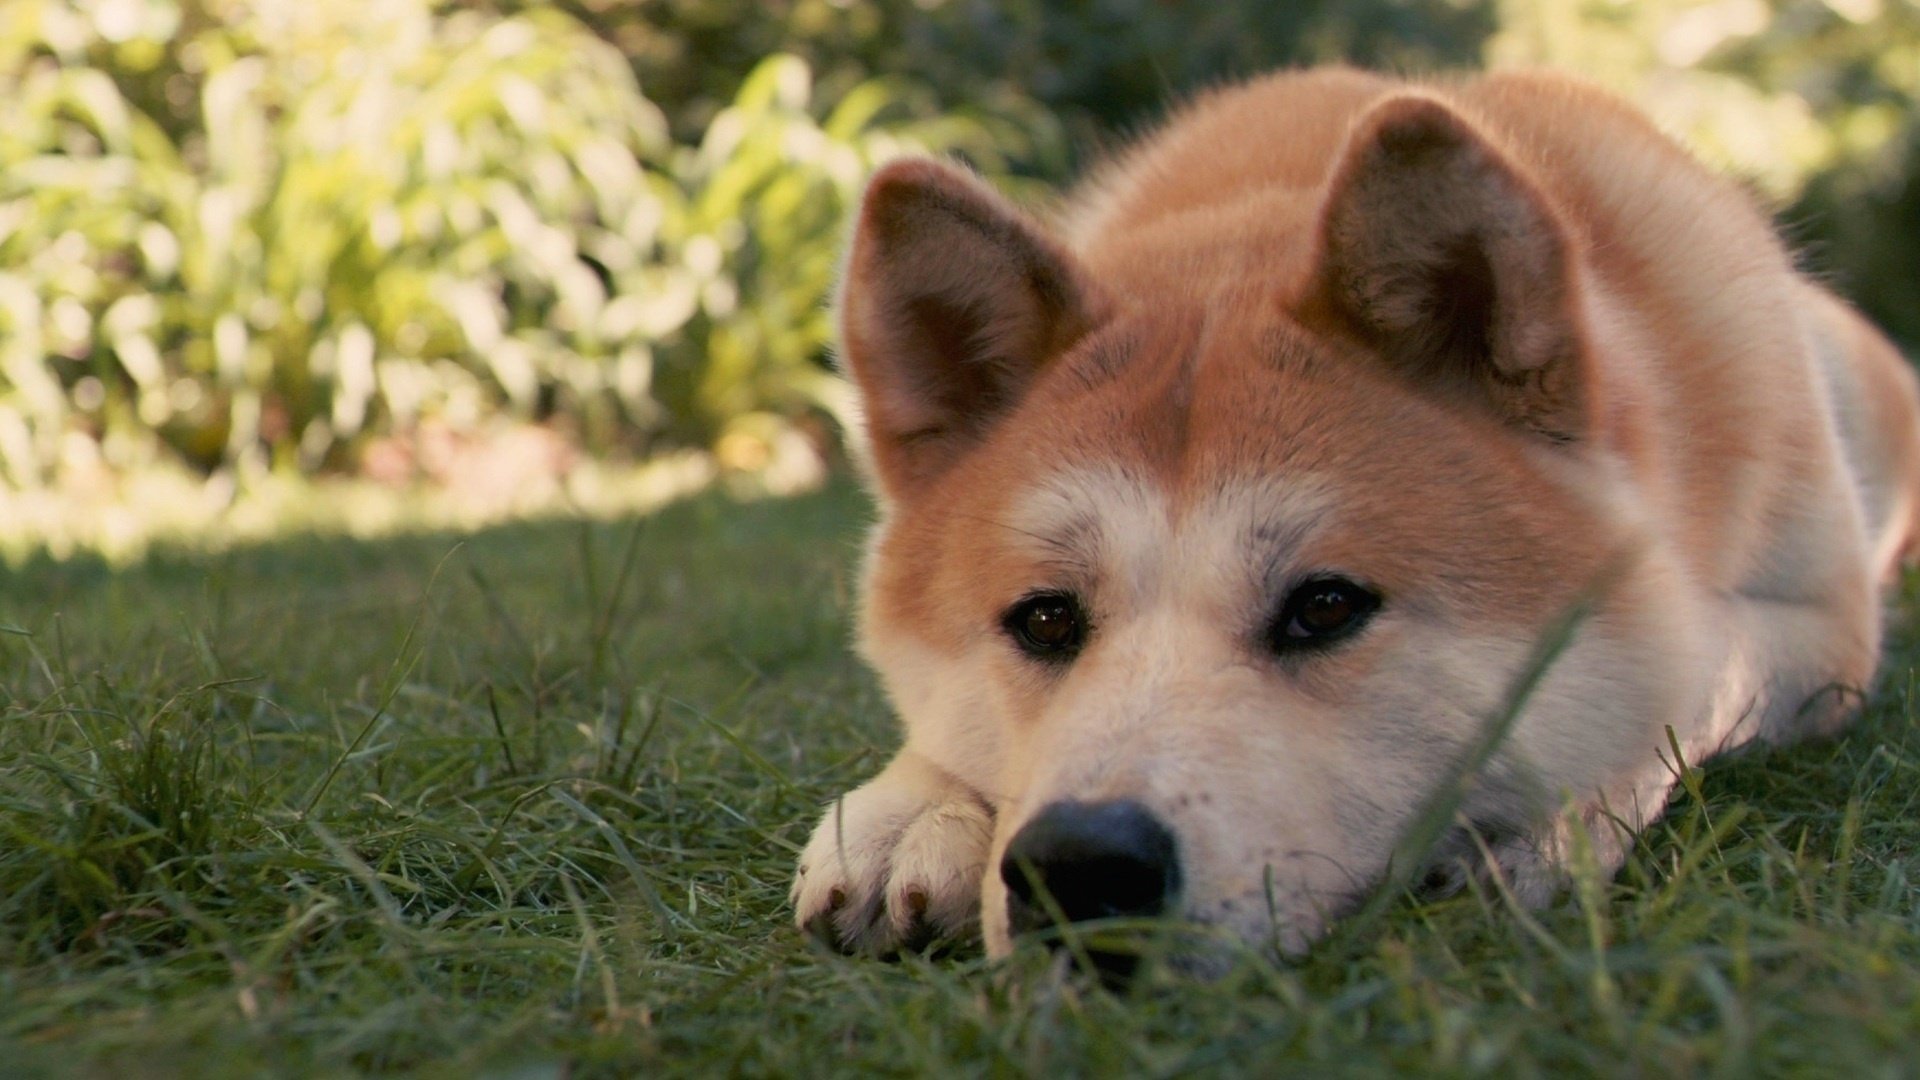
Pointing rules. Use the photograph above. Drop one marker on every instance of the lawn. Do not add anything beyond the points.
(525, 803)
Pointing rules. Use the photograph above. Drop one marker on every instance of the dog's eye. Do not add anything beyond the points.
(1048, 626)
(1321, 611)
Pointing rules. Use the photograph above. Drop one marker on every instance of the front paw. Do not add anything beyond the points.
(896, 863)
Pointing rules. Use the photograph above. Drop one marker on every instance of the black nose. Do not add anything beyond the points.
(1095, 860)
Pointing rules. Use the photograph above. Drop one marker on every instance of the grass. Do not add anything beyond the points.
(526, 804)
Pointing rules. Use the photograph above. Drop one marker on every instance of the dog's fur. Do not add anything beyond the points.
(1490, 346)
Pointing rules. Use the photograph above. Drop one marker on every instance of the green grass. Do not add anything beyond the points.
(526, 804)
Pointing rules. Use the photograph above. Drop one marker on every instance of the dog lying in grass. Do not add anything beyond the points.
(1222, 524)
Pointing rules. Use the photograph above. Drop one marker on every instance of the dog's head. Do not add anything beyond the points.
(1209, 585)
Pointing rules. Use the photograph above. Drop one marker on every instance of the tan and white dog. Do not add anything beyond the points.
(1217, 525)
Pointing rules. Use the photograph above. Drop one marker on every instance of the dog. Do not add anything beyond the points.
(1221, 522)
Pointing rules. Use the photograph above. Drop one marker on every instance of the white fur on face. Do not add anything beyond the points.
(1287, 796)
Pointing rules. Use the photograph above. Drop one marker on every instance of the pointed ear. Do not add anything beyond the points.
(952, 302)
(1439, 251)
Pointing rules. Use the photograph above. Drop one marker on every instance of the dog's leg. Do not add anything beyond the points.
(896, 863)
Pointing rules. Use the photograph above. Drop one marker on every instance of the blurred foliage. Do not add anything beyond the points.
(1816, 102)
(259, 235)
(270, 234)
(1098, 66)
(245, 230)
(768, 191)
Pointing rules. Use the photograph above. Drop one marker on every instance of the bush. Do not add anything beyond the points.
(1098, 66)
(376, 215)
(256, 234)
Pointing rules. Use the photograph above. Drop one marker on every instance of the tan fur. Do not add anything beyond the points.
(1490, 344)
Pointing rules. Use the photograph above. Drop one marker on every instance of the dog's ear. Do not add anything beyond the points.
(1437, 250)
(952, 302)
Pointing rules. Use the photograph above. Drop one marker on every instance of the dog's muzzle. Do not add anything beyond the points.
(1083, 861)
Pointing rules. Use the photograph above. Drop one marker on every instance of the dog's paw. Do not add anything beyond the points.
(895, 864)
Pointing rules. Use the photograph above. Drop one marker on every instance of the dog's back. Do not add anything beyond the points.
(1876, 399)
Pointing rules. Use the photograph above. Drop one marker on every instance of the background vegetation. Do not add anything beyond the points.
(247, 238)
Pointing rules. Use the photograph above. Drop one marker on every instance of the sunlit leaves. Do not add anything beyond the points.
(284, 227)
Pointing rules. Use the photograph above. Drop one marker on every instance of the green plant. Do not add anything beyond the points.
(379, 213)
(771, 189)
(258, 234)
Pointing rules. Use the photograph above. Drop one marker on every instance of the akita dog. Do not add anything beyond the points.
(1219, 524)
